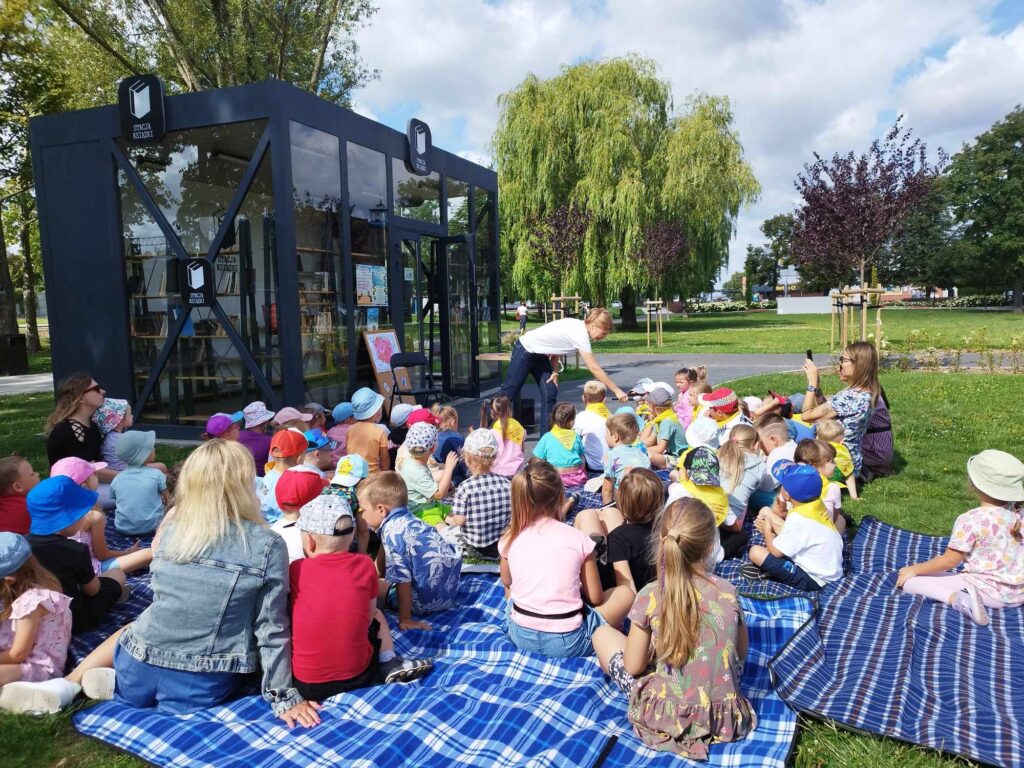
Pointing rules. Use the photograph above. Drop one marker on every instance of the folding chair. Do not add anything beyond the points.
(410, 360)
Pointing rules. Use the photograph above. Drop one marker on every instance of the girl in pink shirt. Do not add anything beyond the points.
(549, 570)
(686, 378)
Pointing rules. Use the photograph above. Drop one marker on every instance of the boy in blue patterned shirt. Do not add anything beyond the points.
(420, 569)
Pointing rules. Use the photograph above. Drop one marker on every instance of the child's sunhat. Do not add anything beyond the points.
(801, 481)
(109, 416)
(342, 411)
(287, 443)
(997, 474)
(422, 437)
(220, 423)
(57, 502)
(77, 469)
(723, 398)
(14, 551)
(316, 439)
(316, 407)
(701, 431)
(291, 414)
(133, 448)
(350, 470)
(626, 409)
(702, 466)
(256, 413)
(400, 414)
(365, 403)
(659, 395)
(421, 415)
(323, 516)
(481, 442)
(298, 486)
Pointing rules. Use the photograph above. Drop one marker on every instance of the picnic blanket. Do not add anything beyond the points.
(485, 704)
(898, 665)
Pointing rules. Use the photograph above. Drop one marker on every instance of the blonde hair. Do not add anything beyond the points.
(448, 417)
(475, 462)
(600, 317)
(623, 426)
(732, 456)
(640, 495)
(813, 452)
(387, 488)
(30, 575)
(830, 430)
(700, 388)
(698, 375)
(594, 391)
(69, 394)
(537, 491)
(865, 369)
(215, 493)
(687, 535)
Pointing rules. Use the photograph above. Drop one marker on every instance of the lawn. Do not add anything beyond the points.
(933, 441)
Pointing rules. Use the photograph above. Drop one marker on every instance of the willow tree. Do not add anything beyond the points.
(603, 136)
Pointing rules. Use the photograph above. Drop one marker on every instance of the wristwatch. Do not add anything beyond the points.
(814, 389)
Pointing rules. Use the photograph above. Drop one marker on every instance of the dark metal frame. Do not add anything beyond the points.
(76, 159)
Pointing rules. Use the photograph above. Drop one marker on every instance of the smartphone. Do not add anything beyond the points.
(810, 354)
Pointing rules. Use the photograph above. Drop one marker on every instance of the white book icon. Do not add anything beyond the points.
(421, 139)
(195, 276)
(138, 93)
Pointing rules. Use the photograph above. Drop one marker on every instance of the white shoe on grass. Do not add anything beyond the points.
(98, 684)
(45, 698)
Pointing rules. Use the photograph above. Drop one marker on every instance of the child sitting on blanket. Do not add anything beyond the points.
(368, 437)
(287, 449)
(351, 471)
(681, 664)
(420, 569)
(805, 550)
(424, 492)
(988, 542)
(297, 487)
(448, 441)
(699, 479)
(562, 447)
(482, 503)
(139, 492)
(35, 616)
(93, 531)
(550, 572)
(591, 424)
(340, 639)
(509, 433)
(343, 420)
(663, 434)
(623, 532)
(623, 453)
(822, 456)
(741, 469)
(17, 478)
(833, 433)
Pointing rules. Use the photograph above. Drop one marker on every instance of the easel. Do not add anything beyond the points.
(558, 304)
(846, 302)
(656, 306)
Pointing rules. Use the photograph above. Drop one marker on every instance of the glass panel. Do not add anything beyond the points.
(458, 207)
(412, 295)
(487, 307)
(367, 192)
(192, 184)
(316, 188)
(460, 338)
(416, 197)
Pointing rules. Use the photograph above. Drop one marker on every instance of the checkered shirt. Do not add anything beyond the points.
(486, 501)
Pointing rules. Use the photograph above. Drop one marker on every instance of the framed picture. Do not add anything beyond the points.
(382, 345)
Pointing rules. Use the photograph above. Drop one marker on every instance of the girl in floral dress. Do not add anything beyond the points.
(35, 616)
(987, 540)
(681, 664)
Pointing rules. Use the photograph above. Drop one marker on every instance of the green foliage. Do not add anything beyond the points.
(761, 268)
(602, 136)
(734, 285)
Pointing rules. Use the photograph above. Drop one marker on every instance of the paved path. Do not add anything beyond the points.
(23, 385)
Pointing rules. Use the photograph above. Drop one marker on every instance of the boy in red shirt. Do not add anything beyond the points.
(17, 478)
(340, 639)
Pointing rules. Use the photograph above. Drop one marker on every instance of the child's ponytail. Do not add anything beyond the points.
(485, 414)
(687, 535)
(31, 575)
(501, 410)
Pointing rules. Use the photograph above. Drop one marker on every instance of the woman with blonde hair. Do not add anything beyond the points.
(220, 602)
(536, 353)
(682, 662)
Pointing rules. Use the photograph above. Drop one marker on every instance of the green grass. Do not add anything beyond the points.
(939, 420)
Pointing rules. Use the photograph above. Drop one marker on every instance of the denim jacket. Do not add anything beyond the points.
(215, 613)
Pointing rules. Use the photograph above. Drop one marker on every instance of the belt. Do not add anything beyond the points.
(531, 614)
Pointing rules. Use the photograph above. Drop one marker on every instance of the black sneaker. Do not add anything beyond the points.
(752, 572)
(400, 670)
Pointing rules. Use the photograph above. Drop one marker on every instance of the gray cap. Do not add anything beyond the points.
(323, 514)
(14, 551)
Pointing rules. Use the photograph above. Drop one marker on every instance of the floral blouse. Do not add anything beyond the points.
(853, 409)
(686, 710)
(994, 561)
(46, 659)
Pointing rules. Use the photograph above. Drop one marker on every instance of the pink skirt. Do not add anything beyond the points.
(574, 478)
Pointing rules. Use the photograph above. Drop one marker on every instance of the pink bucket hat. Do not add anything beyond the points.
(77, 469)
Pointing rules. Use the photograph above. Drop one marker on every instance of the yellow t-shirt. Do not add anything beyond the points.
(844, 462)
(515, 431)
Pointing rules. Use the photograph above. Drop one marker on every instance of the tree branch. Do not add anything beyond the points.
(93, 35)
(186, 64)
(318, 68)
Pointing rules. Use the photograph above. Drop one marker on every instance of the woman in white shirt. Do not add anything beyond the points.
(536, 354)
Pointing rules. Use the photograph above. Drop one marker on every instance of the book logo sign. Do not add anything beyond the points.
(418, 135)
(141, 104)
(197, 283)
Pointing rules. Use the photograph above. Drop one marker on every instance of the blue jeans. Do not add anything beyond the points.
(784, 570)
(171, 690)
(525, 364)
(559, 645)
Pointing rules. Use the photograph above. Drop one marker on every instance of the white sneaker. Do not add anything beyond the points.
(98, 684)
(45, 698)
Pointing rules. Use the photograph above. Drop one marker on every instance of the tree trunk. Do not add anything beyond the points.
(1018, 294)
(8, 309)
(28, 293)
(628, 298)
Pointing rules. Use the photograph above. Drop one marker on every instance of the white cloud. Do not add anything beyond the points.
(802, 75)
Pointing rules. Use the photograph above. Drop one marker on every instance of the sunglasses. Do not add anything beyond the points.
(93, 388)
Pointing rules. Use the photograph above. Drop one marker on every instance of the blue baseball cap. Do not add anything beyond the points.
(342, 411)
(316, 439)
(801, 481)
(626, 409)
(14, 551)
(57, 502)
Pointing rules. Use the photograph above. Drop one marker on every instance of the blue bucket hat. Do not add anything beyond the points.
(57, 502)
(14, 551)
(801, 481)
(342, 411)
(133, 448)
(365, 403)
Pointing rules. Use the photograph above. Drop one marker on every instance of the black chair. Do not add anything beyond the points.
(410, 361)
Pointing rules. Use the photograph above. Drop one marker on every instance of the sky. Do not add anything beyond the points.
(803, 76)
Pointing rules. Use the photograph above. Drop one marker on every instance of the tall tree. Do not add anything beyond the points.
(602, 135)
(557, 243)
(986, 183)
(761, 268)
(854, 206)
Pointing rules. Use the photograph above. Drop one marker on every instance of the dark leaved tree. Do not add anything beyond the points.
(663, 249)
(557, 242)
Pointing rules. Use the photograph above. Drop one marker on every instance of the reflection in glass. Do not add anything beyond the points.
(487, 308)
(460, 332)
(458, 207)
(416, 197)
(316, 189)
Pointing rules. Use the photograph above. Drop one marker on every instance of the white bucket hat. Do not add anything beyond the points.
(256, 413)
(997, 474)
(702, 431)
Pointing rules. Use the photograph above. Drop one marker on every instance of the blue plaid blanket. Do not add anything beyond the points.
(485, 704)
(901, 666)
